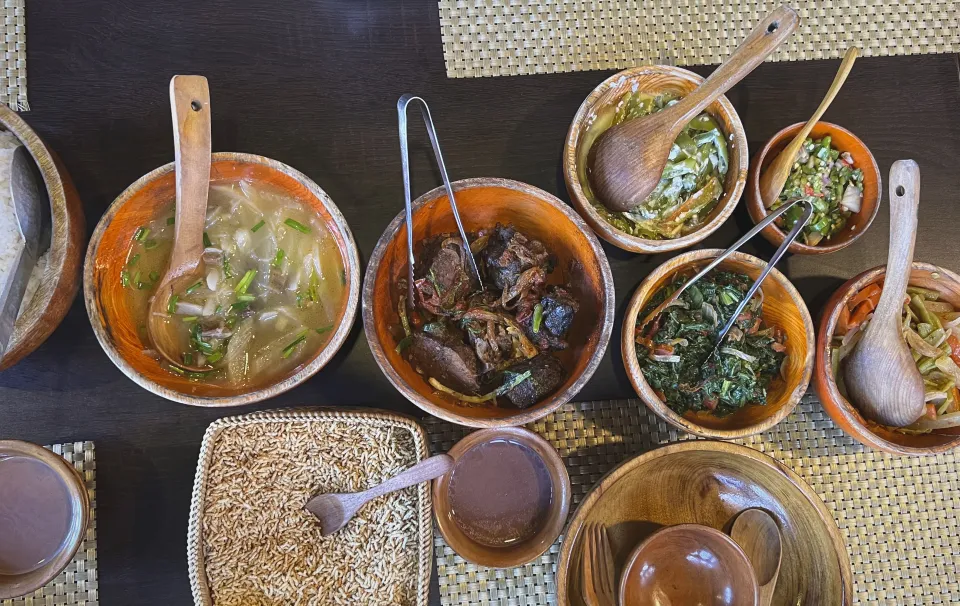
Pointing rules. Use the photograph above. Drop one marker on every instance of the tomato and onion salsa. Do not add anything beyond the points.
(675, 350)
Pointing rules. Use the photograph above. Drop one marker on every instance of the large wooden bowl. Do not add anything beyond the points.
(782, 306)
(483, 203)
(44, 312)
(106, 299)
(710, 483)
(843, 140)
(838, 407)
(651, 79)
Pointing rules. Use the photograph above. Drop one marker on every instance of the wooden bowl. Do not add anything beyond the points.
(843, 140)
(710, 483)
(652, 79)
(106, 300)
(483, 203)
(520, 553)
(838, 407)
(44, 312)
(13, 586)
(661, 568)
(782, 306)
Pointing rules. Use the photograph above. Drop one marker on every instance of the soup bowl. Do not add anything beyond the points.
(106, 300)
(483, 203)
(581, 136)
(782, 307)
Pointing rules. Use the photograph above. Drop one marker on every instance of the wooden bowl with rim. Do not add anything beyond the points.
(106, 299)
(844, 413)
(518, 554)
(843, 140)
(782, 306)
(484, 202)
(61, 281)
(651, 79)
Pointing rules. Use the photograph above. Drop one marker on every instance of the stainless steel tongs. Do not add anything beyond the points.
(402, 104)
(799, 225)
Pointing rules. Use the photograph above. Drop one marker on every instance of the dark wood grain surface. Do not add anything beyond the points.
(314, 84)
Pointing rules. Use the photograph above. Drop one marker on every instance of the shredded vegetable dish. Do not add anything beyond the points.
(829, 180)
(675, 350)
(692, 180)
(931, 328)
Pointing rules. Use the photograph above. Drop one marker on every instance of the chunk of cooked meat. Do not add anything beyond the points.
(546, 374)
(449, 362)
(442, 278)
(558, 310)
(509, 253)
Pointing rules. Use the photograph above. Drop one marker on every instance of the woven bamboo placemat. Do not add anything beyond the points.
(13, 56)
(513, 37)
(77, 585)
(897, 514)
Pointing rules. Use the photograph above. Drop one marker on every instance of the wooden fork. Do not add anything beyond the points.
(597, 583)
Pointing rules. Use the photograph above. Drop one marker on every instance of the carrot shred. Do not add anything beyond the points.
(871, 292)
(954, 343)
(843, 322)
(931, 412)
(861, 312)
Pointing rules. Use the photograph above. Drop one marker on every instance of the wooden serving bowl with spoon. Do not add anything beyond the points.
(782, 307)
(483, 203)
(106, 300)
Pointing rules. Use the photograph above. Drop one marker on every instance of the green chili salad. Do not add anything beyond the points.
(829, 180)
(692, 181)
(674, 350)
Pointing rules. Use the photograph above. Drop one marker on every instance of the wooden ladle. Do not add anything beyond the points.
(190, 105)
(628, 159)
(880, 374)
(335, 510)
(773, 179)
(757, 533)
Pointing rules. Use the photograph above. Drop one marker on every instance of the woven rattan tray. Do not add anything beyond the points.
(362, 420)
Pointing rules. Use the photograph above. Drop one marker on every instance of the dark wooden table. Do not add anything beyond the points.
(314, 84)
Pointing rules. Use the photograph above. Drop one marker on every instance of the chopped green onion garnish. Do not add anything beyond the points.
(133, 260)
(537, 317)
(300, 227)
(289, 348)
(125, 278)
(140, 234)
(206, 240)
(136, 279)
(404, 343)
(172, 304)
(218, 309)
(187, 358)
(154, 276)
(258, 226)
(343, 277)
(193, 288)
(278, 260)
(177, 369)
(150, 244)
(227, 270)
(214, 357)
(171, 220)
(245, 282)
(190, 318)
(239, 305)
(247, 298)
(324, 329)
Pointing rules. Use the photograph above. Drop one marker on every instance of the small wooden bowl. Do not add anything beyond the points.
(483, 203)
(843, 140)
(44, 312)
(106, 299)
(661, 570)
(652, 79)
(521, 553)
(838, 407)
(20, 585)
(782, 306)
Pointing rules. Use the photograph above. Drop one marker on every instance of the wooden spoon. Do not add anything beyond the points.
(190, 105)
(628, 159)
(773, 179)
(335, 510)
(758, 535)
(880, 374)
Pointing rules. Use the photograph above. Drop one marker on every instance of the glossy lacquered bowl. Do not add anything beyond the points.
(843, 140)
(580, 137)
(841, 410)
(483, 203)
(782, 307)
(106, 301)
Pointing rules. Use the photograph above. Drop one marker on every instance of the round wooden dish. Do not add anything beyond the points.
(843, 140)
(106, 299)
(710, 483)
(521, 553)
(23, 584)
(782, 306)
(651, 79)
(44, 312)
(483, 203)
(838, 407)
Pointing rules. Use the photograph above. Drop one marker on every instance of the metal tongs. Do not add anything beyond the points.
(402, 104)
(797, 227)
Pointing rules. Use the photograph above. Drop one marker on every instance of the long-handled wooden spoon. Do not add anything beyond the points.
(628, 159)
(335, 510)
(190, 105)
(759, 536)
(880, 374)
(773, 179)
